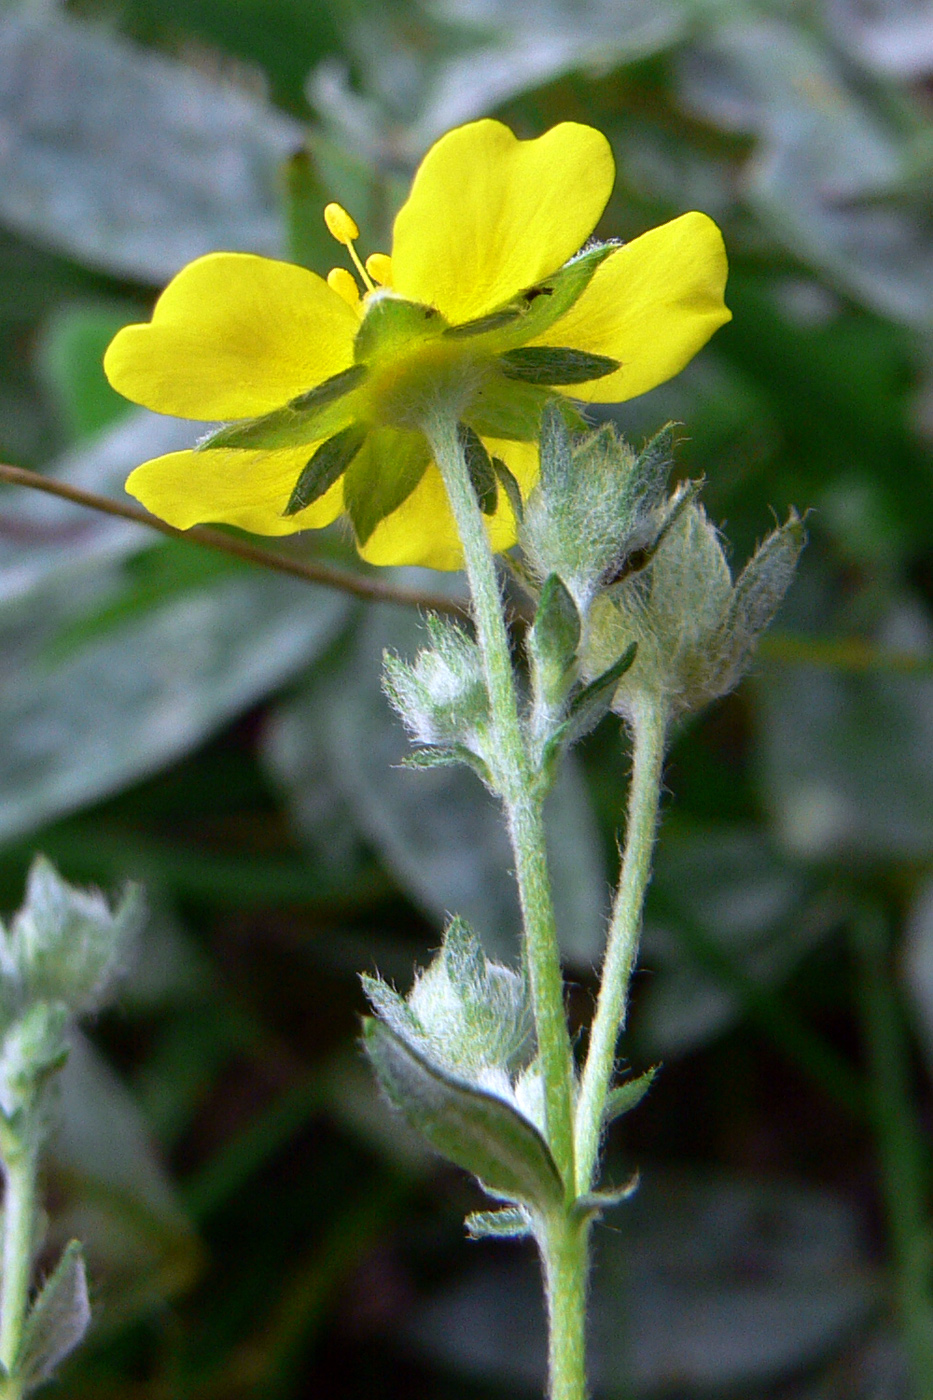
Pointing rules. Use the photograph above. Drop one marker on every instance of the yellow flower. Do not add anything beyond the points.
(486, 305)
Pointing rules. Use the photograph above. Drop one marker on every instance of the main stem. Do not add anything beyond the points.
(520, 795)
(565, 1254)
(900, 1150)
(19, 1218)
(649, 723)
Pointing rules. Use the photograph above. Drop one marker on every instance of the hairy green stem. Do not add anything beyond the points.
(899, 1145)
(19, 1221)
(523, 801)
(649, 723)
(565, 1256)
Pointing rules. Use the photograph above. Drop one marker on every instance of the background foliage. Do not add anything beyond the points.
(258, 1225)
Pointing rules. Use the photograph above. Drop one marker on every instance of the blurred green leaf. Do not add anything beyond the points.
(127, 161)
(846, 759)
(701, 1285)
(70, 356)
(113, 1193)
(438, 831)
(728, 885)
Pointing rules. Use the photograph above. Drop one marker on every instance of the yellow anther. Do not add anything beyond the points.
(379, 267)
(344, 229)
(344, 284)
(339, 224)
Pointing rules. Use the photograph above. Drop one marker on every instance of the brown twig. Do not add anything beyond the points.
(325, 574)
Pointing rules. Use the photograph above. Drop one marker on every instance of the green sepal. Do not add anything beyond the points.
(56, 1322)
(382, 475)
(482, 476)
(636, 560)
(595, 1203)
(556, 453)
(449, 757)
(544, 303)
(555, 364)
(470, 1127)
(508, 408)
(510, 486)
(553, 639)
(319, 413)
(624, 1097)
(391, 324)
(760, 587)
(483, 324)
(510, 1223)
(329, 462)
(595, 700)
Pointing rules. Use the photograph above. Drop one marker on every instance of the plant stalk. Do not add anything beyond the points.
(523, 802)
(899, 1145)
(19, 1219)
(649, 724)
(565, 1256)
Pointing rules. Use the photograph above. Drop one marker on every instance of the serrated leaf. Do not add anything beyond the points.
(511, 1223)
(595, 699)
(57, 1320)
(328, 463)
(555, 364)
(624, 1097)
(470, 1127)
(482, 476)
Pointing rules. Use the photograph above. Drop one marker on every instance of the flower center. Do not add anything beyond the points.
(377, 270)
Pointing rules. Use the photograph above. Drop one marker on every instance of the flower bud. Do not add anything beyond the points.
(441, 695)
(694, 628)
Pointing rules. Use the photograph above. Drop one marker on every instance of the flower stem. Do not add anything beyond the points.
(899, 1146)
(520, 793)
(565, 1253)
(649, 723)
(19, 1220)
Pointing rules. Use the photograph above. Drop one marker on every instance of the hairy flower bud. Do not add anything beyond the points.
(694, 629)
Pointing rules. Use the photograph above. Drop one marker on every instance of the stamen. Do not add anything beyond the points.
(379, 267)
(343, 283)
(341, 226)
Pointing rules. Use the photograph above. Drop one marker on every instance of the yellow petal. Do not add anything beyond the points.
(652, 305)
(233, 336)
(230, 486)
(489, 215)
(422, 530)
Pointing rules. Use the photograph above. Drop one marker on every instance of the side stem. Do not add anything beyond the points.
(899, 1145)
(19, 1216)
(649, 724)
(522, 802)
